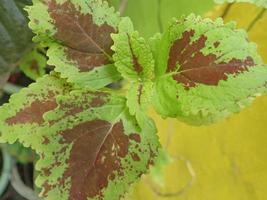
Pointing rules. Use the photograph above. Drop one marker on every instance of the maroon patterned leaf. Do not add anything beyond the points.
(78, 34)
(197, 68)
(205, 70)
(87, 42)
(99, 155)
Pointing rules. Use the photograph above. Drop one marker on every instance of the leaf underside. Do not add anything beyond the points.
(206, 71)
(84, 153)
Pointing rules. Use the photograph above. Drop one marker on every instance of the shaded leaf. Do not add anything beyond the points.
(13, 45)
(206, 70)
(22, 154)
(3, 78)
(33, 64)
(78, 36)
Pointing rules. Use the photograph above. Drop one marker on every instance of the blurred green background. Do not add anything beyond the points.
(145, 13)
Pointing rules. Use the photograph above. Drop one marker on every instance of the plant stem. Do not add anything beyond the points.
(20, 187)
(257, 18)
(226, 10)
(123, 6)
(6, 171)
(10, 88)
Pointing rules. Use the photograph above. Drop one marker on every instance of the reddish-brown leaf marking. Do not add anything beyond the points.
(86, 42)
(140, 90)
(135, 137)
(95, 158)
(89, 100)
(34, 112)
(137, 66)
(193, 67)
(34, 66)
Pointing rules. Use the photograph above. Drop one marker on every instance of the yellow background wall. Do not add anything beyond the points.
(225, 161)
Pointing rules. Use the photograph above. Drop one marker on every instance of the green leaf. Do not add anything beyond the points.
(84, 152)
(262, 3)
(205, 71)
(33, 64)
(22, 154)
(134, 60)
(133, 57)
(92, 155)
(77, 33)
(13, 45)
(139, 99)
(22, 117)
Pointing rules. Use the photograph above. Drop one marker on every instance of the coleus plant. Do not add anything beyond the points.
(93, 142)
